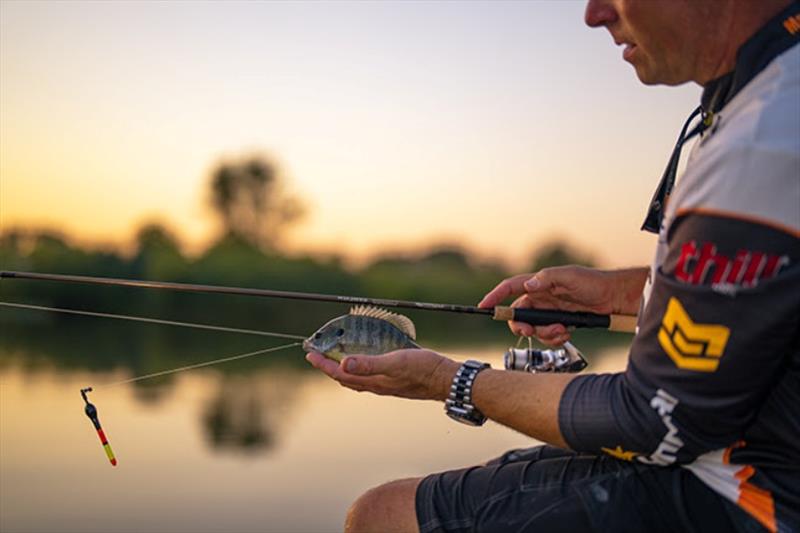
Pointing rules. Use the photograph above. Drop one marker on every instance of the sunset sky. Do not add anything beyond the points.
(401, 124)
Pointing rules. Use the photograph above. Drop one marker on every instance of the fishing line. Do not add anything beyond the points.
(151, 320)
(91, 410)
(169, 323)
(199, 365)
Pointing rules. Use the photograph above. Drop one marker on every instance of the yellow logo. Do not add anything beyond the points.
(619, 453)
(691, 346)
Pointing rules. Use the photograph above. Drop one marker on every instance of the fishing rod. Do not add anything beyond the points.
(534, 317)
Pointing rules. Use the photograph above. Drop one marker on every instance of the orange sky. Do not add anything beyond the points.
(496, 125)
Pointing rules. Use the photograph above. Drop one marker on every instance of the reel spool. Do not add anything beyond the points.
(566, 359)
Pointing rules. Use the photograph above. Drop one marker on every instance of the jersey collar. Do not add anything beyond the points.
(775, 37)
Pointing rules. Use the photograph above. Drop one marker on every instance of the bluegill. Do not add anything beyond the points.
(366, 330)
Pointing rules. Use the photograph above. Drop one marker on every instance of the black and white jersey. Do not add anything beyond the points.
(713, 380)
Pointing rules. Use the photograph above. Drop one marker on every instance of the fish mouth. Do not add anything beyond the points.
(309, 346)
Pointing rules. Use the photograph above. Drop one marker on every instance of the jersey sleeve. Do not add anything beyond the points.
(720, 326)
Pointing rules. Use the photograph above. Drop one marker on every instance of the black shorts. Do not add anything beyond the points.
(547, 489)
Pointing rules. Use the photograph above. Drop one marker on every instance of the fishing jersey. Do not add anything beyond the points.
(713, 377)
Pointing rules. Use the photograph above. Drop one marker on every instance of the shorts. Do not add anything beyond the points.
(547, 489)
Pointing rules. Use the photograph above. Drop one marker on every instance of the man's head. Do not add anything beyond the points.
(674, 41)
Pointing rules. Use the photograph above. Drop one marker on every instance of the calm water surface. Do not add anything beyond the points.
(268, 449)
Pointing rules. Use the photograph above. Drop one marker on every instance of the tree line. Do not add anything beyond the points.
(254, 207)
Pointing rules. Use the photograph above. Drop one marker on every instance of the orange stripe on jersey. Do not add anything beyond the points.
(745, 473)
(726, 455)
(755, 500)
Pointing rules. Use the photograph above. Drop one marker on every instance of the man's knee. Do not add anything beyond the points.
(386, 508)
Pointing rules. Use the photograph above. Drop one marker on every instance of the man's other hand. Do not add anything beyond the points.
(569, 288)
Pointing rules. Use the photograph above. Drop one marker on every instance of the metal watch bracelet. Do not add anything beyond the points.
(458, 405)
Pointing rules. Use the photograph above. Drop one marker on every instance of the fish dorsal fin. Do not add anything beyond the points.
(403, 323)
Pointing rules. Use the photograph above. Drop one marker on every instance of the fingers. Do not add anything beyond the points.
(320, 362)
(508, 287)
(368, 365)
(407, 373)
(359, 369)
(336, 371)
(552, 334)
(552, 283)
(556, 336)
(522, 329)
(540, 282)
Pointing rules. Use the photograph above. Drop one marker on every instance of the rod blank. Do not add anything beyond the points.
(242, 291)
(535, 317)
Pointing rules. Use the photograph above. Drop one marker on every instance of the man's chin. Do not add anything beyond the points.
(650, 78)
(654, 76)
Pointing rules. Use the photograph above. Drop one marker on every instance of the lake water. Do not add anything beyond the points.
(275, 448)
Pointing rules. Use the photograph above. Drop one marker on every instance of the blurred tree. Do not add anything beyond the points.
(251, 202)
(445, 273)
(155, 236)
(557, 253)
(12, 245)
(231, 259)
(158, 254)
(447, 256)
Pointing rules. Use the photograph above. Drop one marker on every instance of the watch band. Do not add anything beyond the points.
(459, 405)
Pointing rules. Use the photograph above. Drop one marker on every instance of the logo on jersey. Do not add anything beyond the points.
(667, 451)
(620, 453)
(703, 265)
(691, 346)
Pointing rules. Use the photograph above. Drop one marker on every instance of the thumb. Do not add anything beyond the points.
(541, 281)
(362, 365)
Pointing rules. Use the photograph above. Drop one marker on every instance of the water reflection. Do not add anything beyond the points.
(248, 413)
(262, 444)
(234, 419)
(154, 391)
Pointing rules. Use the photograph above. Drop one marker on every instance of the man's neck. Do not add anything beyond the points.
(732, 30)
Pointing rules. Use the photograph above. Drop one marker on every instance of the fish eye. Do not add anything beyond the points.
(339, 332)
(318, 335)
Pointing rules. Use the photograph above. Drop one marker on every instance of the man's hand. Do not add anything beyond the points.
(415, 374)
(525, 402)
(569, 288)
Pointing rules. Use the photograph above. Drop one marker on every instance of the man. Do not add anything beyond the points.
(702, 430)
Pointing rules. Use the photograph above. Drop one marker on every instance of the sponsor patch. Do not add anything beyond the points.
(667, 452)
(702, 264)
(691, 346)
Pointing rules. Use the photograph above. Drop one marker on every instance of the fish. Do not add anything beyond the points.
(365, 330)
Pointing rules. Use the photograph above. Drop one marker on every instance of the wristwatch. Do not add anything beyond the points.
(459, 405)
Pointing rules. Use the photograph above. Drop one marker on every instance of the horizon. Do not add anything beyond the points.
(128, 249)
